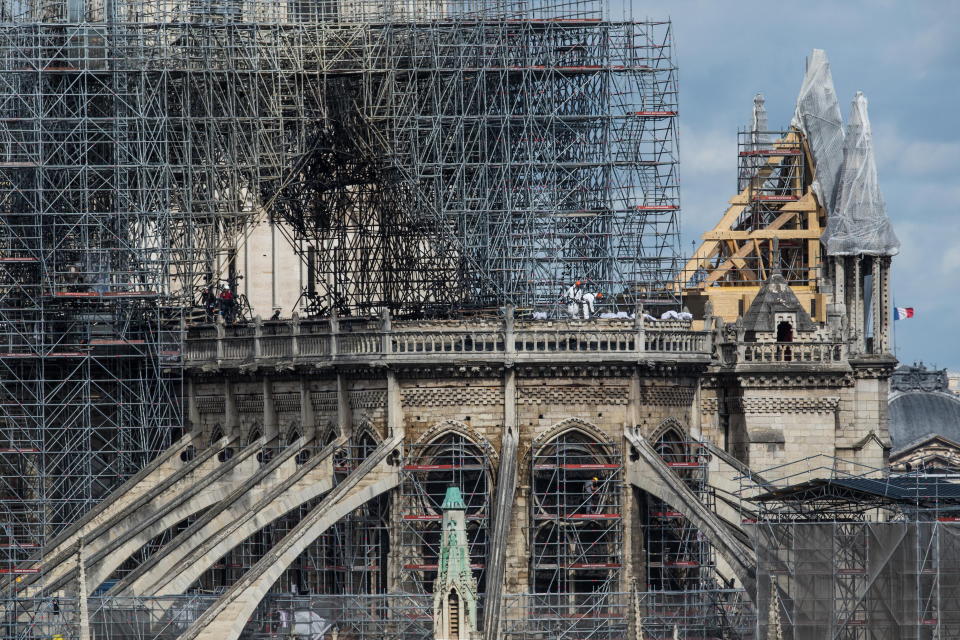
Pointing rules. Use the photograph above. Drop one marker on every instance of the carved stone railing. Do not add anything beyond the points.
(347, 340)
(801, 353)
(457, 341)
(676, 341)
(201, 350)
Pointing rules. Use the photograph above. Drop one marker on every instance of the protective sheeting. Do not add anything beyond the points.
(858, 222)
(870, 580)
(818, 117)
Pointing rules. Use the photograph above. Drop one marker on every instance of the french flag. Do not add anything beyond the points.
(901, 313)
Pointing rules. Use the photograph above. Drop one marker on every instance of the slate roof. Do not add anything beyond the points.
(868, 491)
(915, 415)
(775, 296)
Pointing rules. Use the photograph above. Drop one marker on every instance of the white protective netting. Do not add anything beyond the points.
(845, 177)
(818, 117)
(858, 223)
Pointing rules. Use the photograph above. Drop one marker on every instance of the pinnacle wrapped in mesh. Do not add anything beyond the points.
(858, 223)
(818, 116)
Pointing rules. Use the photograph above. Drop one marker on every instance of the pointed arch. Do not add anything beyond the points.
(255, 432)
(672, 441)
(575, 515)
(327, 433)
(290, 431)
(448, 454)
(363, 422)
(440, 429)
(589, 430)
(293, 434)
(365, 438)
(666, 426)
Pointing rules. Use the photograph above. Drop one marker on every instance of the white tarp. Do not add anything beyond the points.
(818, 117)
(858, 223)
(308, 625)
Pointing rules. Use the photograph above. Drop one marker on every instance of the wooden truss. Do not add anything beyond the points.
(773, 224)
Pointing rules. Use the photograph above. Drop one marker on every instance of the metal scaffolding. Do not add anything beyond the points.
(452, 460)
(576, 517)
(497, 155)
(678, 556)
(89, 340)
(847, 551)
(426, 158)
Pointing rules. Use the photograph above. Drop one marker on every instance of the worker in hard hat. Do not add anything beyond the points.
(592, 498)
(574, 298)
(588, 304)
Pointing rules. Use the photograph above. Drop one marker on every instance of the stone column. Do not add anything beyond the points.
(837, 307)
(270, 427)
(505, 503)
(294, 335)
(395, 425)
(231, 417)
(839, 280)
(334, 330)
(395, 428)
(883, 306)
(308, 420)
(876, 305)
(193, 411)
(633, 400)
(640, 326)
(856, 306)
(257, 337)
(887, 300)
(344, 410)
(221, 333)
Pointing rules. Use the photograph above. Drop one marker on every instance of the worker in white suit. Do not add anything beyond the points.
(588, 304)
(574, 297)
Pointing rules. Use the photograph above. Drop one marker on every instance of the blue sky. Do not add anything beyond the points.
(905, 56)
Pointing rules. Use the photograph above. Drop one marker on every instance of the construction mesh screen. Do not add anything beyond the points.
(867, 580)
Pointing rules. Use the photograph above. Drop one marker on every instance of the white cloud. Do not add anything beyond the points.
(708, 153)
(902, 154)
(950, 263)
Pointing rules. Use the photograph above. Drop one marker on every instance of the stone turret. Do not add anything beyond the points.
(454, 590)
(860, 242)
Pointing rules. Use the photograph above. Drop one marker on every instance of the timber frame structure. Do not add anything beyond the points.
(773, 224)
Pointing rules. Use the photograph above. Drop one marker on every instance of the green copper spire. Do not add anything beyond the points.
(453, 501)
(454, 589)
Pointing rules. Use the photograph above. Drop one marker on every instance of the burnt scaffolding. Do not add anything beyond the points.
(495, 154)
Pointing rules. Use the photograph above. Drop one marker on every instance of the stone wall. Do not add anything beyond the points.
(764, 414)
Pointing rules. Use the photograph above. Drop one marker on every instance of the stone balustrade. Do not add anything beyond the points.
(348, 340)
(759, 353)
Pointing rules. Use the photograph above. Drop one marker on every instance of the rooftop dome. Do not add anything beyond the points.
(920, 406)
(914, 415)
